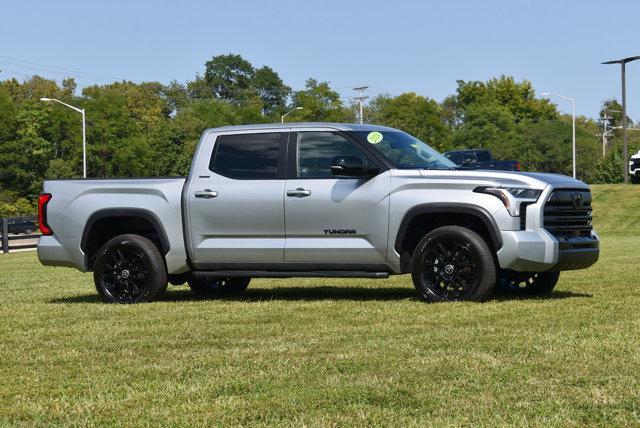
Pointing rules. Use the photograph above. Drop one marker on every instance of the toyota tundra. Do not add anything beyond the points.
(319, 200)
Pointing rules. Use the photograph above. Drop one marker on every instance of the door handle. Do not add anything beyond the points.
(206, 194)
(299, 193)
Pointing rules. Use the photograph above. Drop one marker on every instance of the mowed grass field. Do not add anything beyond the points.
(328, 352)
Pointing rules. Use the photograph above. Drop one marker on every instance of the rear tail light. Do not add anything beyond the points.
(517, 166)
(42, 213)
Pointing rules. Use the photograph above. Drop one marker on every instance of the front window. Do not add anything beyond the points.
(405, 151)
(316, 151)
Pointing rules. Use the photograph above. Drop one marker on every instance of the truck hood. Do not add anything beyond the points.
(536, 180)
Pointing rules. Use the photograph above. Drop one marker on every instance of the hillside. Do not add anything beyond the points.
(616, 209)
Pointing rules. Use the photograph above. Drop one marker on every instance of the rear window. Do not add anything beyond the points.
(483, 156)
(247, 156)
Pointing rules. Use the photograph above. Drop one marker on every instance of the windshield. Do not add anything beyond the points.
(405, 151)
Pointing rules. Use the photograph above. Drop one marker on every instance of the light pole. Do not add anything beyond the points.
(288, 113)
(573, 134)
(84, 132)
(623, 63)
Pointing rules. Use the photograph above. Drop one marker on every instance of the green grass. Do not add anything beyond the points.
(327, 352)
(617, 209)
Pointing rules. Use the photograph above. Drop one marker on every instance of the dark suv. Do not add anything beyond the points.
(22, 225)
(480, 159)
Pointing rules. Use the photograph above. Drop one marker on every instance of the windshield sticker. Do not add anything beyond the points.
(374, 137)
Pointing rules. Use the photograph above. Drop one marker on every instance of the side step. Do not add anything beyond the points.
(290, 274)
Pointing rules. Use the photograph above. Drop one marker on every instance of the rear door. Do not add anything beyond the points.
(235, 201)
(333, 221)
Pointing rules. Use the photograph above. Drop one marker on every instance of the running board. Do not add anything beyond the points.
(289, 274)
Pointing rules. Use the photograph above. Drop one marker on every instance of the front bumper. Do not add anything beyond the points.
(539, 251)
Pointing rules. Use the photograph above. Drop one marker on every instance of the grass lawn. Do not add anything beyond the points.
(327, 352)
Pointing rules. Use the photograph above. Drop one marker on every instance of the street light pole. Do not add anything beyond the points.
(84, 131)
(573, 126)
(288, 113)
(623, 63)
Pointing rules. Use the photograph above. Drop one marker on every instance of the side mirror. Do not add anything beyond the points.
(350, 166)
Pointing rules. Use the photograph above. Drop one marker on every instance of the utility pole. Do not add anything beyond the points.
(623, 62)
(606, 132)
(360, 98)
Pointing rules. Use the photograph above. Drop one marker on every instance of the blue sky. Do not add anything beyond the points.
(394, 46)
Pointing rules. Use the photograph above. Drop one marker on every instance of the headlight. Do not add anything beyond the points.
(523, 193)
(512, 197)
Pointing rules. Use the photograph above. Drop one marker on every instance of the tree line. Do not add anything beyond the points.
(151, 129)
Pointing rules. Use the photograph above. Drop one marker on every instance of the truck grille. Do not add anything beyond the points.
(636, 163)
(567, 215)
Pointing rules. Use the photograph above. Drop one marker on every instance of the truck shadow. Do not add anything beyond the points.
(320, 293)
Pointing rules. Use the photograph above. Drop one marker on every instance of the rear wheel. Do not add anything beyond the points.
(210, 286)
(531, 283)
(453, 263)
(129, 269)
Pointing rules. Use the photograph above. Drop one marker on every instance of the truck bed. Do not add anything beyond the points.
(75, 202)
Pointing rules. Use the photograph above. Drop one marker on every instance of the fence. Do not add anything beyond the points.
(17, 230)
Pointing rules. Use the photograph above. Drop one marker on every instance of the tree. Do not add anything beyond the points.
(319, 104)
(415, 114)
(517, 97)
(271, 89)
(229, 77)
(491, 126)
(7, 117)
(613, 109)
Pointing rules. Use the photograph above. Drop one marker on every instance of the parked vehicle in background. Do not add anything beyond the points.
(480, 159)
(634, 168)
(22, 225)
(319, 200)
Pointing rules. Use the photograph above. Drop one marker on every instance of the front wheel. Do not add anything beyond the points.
(531, 283)
(129, 269)
(210, 286)
(453, 263)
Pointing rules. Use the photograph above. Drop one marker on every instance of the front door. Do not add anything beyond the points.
(236, 208)
(332, 221)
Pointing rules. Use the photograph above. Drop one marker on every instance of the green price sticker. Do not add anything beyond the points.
(374, 137)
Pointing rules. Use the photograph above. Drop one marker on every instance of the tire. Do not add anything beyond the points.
(529, 283)
(453, 263)
(211, 286)
(129, 269)
(28, 231)
(634, 179)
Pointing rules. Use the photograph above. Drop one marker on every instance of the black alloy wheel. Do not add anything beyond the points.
(531, 283)
(129, 269)
(453, 263)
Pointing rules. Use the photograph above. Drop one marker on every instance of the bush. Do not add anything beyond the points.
(12, 206)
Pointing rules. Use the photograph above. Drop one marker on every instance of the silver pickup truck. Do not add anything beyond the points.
(319, 200)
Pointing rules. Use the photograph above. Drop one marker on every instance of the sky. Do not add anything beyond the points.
(393, 46)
